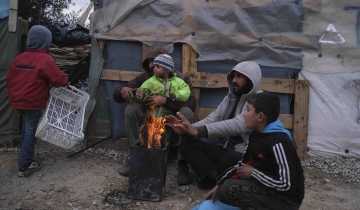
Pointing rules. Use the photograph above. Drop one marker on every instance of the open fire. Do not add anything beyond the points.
(148, 160)
(152, 132)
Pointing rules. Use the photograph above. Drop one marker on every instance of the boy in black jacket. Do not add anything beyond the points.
(270, 175)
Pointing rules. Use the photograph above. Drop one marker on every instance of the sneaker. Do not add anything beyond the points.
(184, 176)
(124, 169)
(206, 184)
(26, 171)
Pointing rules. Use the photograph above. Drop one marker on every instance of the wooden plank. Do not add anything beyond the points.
(85, 15)
(25, 26)
(301, 115)
(203, 112)
(312, 5)
(101, 44)
(236, 40)
(189, 67)
(206, 80)
(118, 75)
(13, 13)
(286, 119)
(145, 50)
(189, 56)
(197, 110)
(277, 85)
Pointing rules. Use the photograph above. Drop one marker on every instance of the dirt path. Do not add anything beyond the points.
(84, 181)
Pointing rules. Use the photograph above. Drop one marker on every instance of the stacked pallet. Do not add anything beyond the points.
(75, 62)
(68, 57)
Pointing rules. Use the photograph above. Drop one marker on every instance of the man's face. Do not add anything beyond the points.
(151, 64)
(241, 84)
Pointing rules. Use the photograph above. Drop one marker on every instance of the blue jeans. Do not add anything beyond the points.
(27, 137)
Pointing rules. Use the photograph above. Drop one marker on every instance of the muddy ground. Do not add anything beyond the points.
(87, 181)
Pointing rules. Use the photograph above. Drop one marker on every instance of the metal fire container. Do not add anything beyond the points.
(147, 173)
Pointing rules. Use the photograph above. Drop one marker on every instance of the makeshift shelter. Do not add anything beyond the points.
(317, 39)
(11, 31)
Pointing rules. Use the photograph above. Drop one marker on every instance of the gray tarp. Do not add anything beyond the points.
(10, 44)
(237, 30)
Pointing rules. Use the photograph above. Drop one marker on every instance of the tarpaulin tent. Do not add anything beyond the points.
(10, 45)
(319, 39)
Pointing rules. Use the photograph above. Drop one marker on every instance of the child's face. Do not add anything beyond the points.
(251, 118)
(159, 71)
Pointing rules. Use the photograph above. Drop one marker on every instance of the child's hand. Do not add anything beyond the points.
(141, 93)
(244, 170)
(172, 96)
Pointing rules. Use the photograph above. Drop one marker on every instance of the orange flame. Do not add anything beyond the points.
(155, 129)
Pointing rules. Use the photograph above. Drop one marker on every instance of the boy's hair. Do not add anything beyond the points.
(267, 103)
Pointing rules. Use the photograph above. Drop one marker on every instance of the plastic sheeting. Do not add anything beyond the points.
(127, 56)
(338, 25)
(334, 128)
(10, 44)
(235, 30)
(317, 36)
(4, 8)
(96, 67)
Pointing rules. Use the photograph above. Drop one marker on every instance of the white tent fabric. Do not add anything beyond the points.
(334, 128)
(332, 71)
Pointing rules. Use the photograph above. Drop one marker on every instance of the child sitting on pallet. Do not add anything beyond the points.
(164, 83)
(270, 175)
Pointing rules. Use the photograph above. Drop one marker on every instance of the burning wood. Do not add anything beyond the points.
(152, 131)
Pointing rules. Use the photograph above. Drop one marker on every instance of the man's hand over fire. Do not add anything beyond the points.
(155, 100)
(127, 93)
(181, 125)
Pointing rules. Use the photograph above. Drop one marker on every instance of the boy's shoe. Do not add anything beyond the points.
(26, 171)
(124, 169)
(184, 176)
(206, 184)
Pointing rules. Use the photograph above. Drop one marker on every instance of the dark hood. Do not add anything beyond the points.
(39, 37)
(151, 54)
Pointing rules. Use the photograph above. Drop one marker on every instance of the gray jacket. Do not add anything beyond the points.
(218, 124)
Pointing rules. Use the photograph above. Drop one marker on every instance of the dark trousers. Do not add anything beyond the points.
(249, 194)
(27, 138)
(204, 158)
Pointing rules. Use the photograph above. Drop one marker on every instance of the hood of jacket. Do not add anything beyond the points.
(251, 70)
(151, 54)
(39, 37)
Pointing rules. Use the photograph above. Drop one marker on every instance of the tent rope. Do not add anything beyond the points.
(282, 45)
(162, 23)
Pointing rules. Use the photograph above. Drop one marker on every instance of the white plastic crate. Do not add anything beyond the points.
(62, 122)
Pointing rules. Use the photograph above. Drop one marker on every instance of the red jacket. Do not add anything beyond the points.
(29, 79)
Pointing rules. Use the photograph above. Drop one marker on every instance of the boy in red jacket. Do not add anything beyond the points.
(28, 81)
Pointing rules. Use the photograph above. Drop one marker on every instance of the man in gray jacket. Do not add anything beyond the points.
(218, 141)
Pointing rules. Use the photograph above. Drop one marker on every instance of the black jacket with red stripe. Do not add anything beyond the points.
(276, 164)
